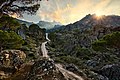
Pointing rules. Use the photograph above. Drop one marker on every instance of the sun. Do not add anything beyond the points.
(99, 15)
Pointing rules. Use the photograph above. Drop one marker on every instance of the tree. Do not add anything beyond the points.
(34, 28)
(8, 23)
(99, 45)
(113, 40)
(12, 7)
(10, 40)
(109, 41)
(36, 32)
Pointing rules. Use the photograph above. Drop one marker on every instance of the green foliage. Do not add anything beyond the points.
(36, 33)
(33, 28)
(30, 43)
(113, 40)
(10, 40)
(52, 35)
(99, 45)
(69, 59)
(9, 23)
(108, 41)
(83, 53)
(24, 27)
(25, 48)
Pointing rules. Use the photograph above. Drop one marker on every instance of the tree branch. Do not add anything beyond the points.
(30, 7)
(5, 3)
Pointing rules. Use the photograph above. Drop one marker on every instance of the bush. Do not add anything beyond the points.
(109, 41)
(99, 45)
(10, 40)
(9, 23)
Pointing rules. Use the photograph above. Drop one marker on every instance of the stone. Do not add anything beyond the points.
(45, 69)
(112, 72)
(91, 63)
(2, 73)
(11, 60)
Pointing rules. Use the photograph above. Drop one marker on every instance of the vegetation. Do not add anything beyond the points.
(109, 41)
(34, 28)
(36, 33)
(8, 23)
(99, 45)
(113, 40)
(10, 40)
(18, 37)
(89, 49)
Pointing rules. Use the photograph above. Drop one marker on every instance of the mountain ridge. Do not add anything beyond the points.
(89, 45)
(41, 24)
(92, 20)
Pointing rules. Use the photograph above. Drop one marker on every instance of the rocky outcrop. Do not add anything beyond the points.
(92, 63)
(112, 72)
(22, 31)
(10, 62)
(11, 54)
(45, 69)
(72, 44)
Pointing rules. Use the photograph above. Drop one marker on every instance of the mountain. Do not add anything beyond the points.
(41, 24)
(91, 20)
(89, 44)
(56, 27)
(47, 25)
(24, 22)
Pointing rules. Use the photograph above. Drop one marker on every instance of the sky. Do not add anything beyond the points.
(70, 11)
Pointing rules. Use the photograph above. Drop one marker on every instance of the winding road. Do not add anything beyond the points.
(67, 74)
(44, 50)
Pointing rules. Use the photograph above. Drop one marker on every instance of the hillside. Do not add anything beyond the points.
(90, 44)
(91, 20)
(22, 56)
(88, 49)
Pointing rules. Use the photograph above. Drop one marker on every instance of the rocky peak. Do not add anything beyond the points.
(108, 21)
(91, 20)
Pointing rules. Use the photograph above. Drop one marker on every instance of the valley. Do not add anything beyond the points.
(85, 50)
(59, 40)
(67, 74)
(88, 44)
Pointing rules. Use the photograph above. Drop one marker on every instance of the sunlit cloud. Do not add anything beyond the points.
(69, 11)
(14, 15)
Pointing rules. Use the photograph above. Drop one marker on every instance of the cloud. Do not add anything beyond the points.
(69, 11)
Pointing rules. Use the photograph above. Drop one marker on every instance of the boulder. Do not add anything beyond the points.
(11, 53)
(2, 73)
(13, 58)
(71, 67)
(92, 63)
(112, 72)
(10, 62)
